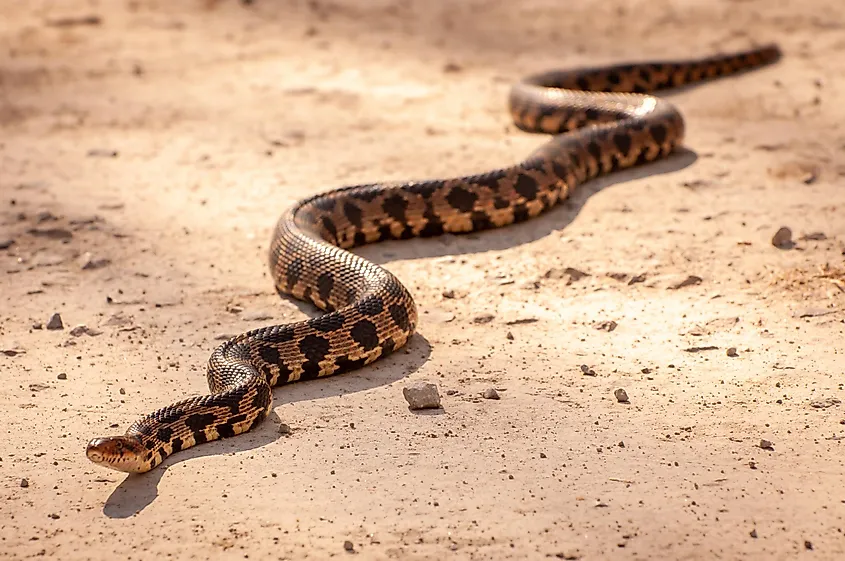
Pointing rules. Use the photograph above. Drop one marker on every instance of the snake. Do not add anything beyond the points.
(601, 119)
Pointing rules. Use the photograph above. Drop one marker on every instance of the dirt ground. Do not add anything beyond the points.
(148, 147)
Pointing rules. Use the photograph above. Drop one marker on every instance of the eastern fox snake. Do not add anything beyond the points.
(369, 312)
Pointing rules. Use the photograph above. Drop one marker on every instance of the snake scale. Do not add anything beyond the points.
(602, 120)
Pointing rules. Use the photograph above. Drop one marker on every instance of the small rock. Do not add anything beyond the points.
(55, 322)
(121, 391)
(61, 376)
(83, 329)
(88, 262)
(691, 280)
(490, 393)
(753, 533)
(24, 482)
(621, 395)
(102, 153)
(808, 544)
(451, 392)
(6, 243)
(766, 444)
(587, 371)
(421, 395)
(783, 238)
(636, 279)
(44, 216)
(731, 351)
(38, 325)
(812, 236)
(483, 318)
(542, 455)
(605, 325)
(448, 293)
(51, 233)
(348, 546)
(509, 336)
(283, 428)
(54, 516)
(824, 403)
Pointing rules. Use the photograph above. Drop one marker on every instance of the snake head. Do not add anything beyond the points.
(122, 453)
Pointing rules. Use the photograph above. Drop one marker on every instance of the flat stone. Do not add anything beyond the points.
(422, 395)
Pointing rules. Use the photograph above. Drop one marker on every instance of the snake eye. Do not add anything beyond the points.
(118, 445)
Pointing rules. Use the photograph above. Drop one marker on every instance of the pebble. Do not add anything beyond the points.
(587, 370)
(348, 546)
(421, 395)
(6, 243)
(509, 336)
(605, 325)
(691, 280)
(824, 403)
(490, 393)
(483, 318)
(808, 544)
(55, 322)
(284, 428)
(621, 395)
(783, 238)
(24, 482)
(61, 376)
(753, 533)
(83, 329)
(732, 352)
(766, 444)
(88, 262)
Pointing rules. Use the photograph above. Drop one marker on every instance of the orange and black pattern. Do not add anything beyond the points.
(603, 120)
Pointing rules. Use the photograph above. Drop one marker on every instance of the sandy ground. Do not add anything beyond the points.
(165, 138)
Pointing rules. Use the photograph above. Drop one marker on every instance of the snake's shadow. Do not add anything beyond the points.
(136, 492)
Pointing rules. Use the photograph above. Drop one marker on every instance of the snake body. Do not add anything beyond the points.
(602, 120)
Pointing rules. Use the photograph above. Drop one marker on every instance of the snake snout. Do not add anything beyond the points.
(122, 453)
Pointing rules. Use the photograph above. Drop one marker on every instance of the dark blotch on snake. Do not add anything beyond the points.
(461, 199)
(325, 284)
(329, 226)
(480, 220)
(658, 133)
(623, 143)
(520, 213)
(269, 354)
(226, 430)
(345, 364)
(164, 434)
(526, 186)
(176, 444)
(364, 333)
(353, 214)
(400, 316)
(199, 421)
(294, 271)
(433, 224)
(314, 347)
(395, 207)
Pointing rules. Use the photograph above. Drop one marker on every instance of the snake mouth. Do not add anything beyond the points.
(121, 453)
